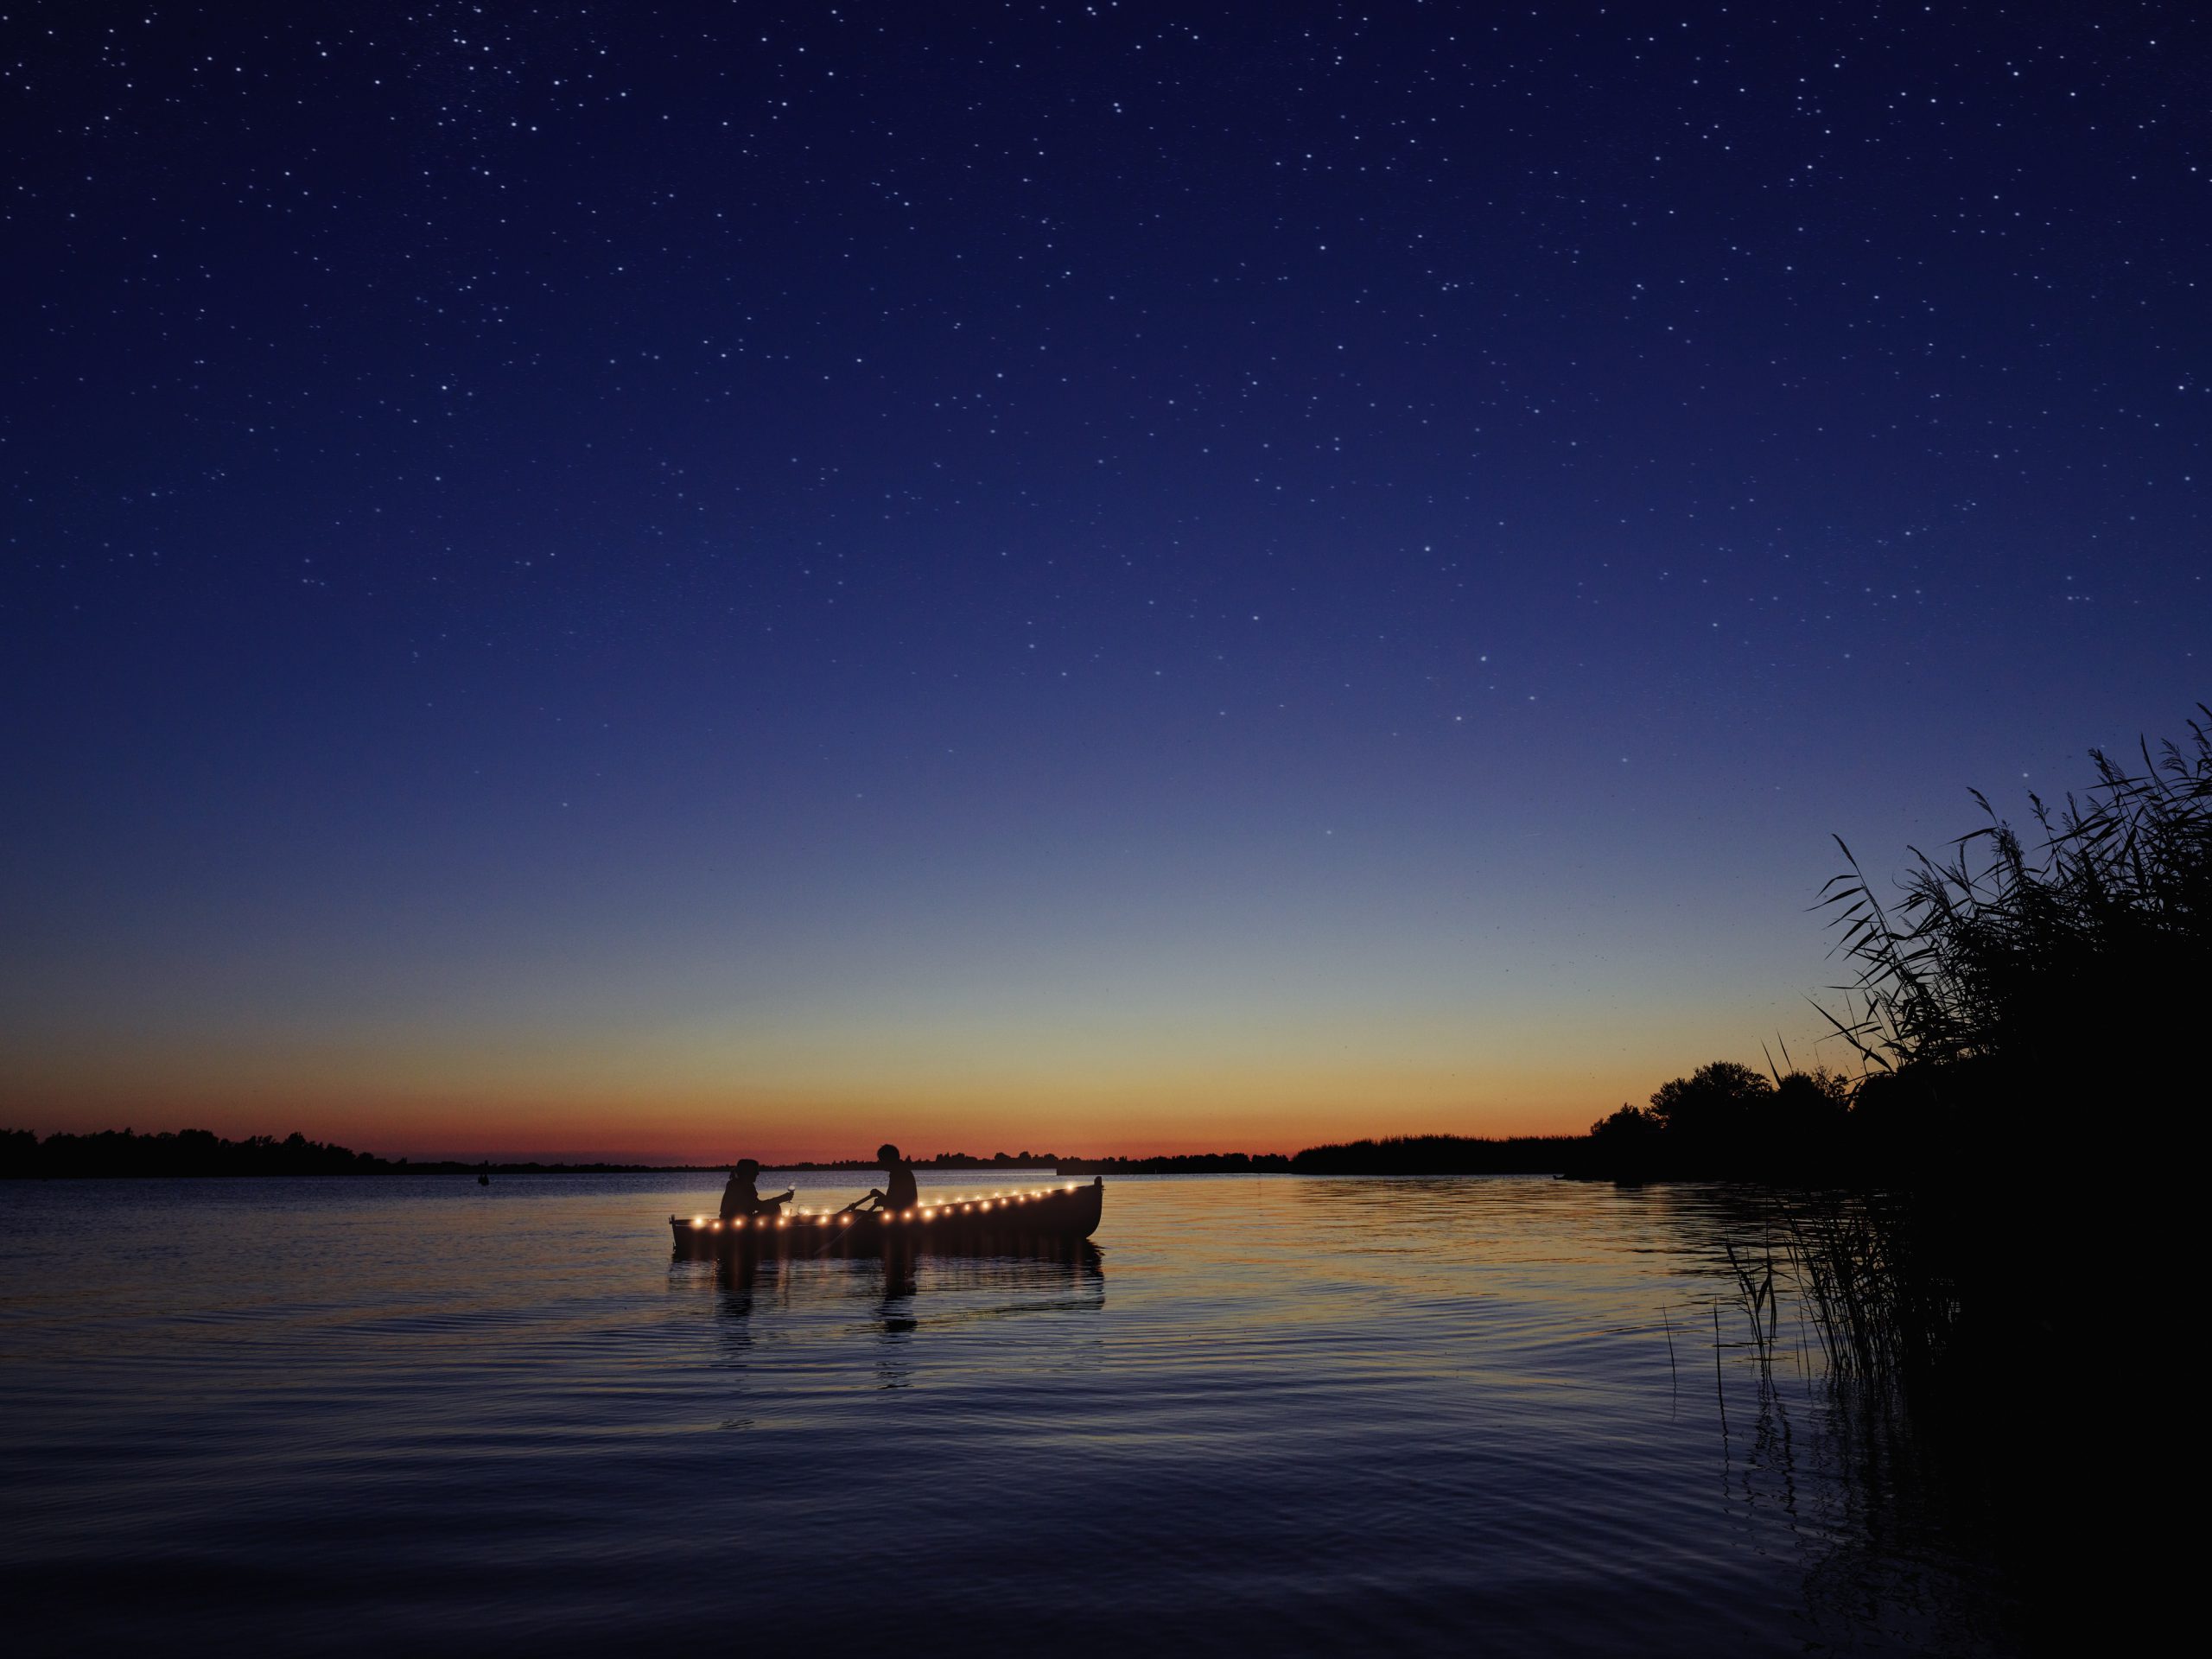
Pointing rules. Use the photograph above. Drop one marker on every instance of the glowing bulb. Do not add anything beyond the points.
(698, 1221)
(782, 1221)
(910, 1215)
(718, 1226)
(987, 1204)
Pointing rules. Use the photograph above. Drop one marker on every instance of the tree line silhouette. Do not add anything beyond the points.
(185, 1151)
(124, 1153)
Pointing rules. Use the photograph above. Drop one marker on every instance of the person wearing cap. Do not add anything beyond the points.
(899, 1192)
(739, 1197)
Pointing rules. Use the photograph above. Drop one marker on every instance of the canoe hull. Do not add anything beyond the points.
(1062, 1217)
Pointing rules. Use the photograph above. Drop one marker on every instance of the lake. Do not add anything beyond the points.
(1296, 1415)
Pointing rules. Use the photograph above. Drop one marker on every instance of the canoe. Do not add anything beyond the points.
(963, 1223)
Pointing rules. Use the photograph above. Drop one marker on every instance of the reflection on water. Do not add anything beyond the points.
(896, 1287)
(1311, 1415)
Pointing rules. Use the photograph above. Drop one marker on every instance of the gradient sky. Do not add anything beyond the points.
(668, 579)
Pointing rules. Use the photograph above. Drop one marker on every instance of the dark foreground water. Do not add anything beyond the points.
(1285, 1415)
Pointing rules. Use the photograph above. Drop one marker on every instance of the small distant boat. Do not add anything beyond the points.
(966, 1224)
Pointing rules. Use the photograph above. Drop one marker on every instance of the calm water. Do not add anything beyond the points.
(1300, 1415)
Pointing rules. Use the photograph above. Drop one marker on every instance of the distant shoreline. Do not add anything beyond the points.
(125, 1154)
(401, 1167)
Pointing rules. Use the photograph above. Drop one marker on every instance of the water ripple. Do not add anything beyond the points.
(1297, 1415)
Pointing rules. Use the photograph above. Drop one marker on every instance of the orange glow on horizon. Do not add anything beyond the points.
(623, 1100)
(700, 1093)
(1255, 1115)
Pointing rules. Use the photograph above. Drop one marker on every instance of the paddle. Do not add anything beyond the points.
(834, 1232)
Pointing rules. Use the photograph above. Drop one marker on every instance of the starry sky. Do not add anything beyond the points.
(663, 580)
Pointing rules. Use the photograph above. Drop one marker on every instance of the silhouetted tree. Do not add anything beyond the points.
(1631, 1123)
(1629, 1145)
(1718, 1104)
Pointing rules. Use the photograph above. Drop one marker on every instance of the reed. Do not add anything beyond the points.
(1884, 1306)
(2019, 995)
(2039, 952)
(2015, 994)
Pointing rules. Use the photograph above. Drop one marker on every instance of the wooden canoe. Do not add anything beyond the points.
(962, 1224)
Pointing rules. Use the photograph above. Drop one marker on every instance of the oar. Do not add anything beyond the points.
(823, 1247)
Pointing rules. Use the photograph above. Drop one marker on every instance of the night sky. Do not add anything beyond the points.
(673, 580)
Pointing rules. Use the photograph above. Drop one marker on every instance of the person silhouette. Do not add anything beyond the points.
(739, 1197)
(899, 1192)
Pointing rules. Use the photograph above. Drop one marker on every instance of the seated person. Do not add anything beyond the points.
(739, 1199)
(902, 1194)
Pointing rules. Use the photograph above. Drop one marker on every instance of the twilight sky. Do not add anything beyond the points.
(667, 580)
